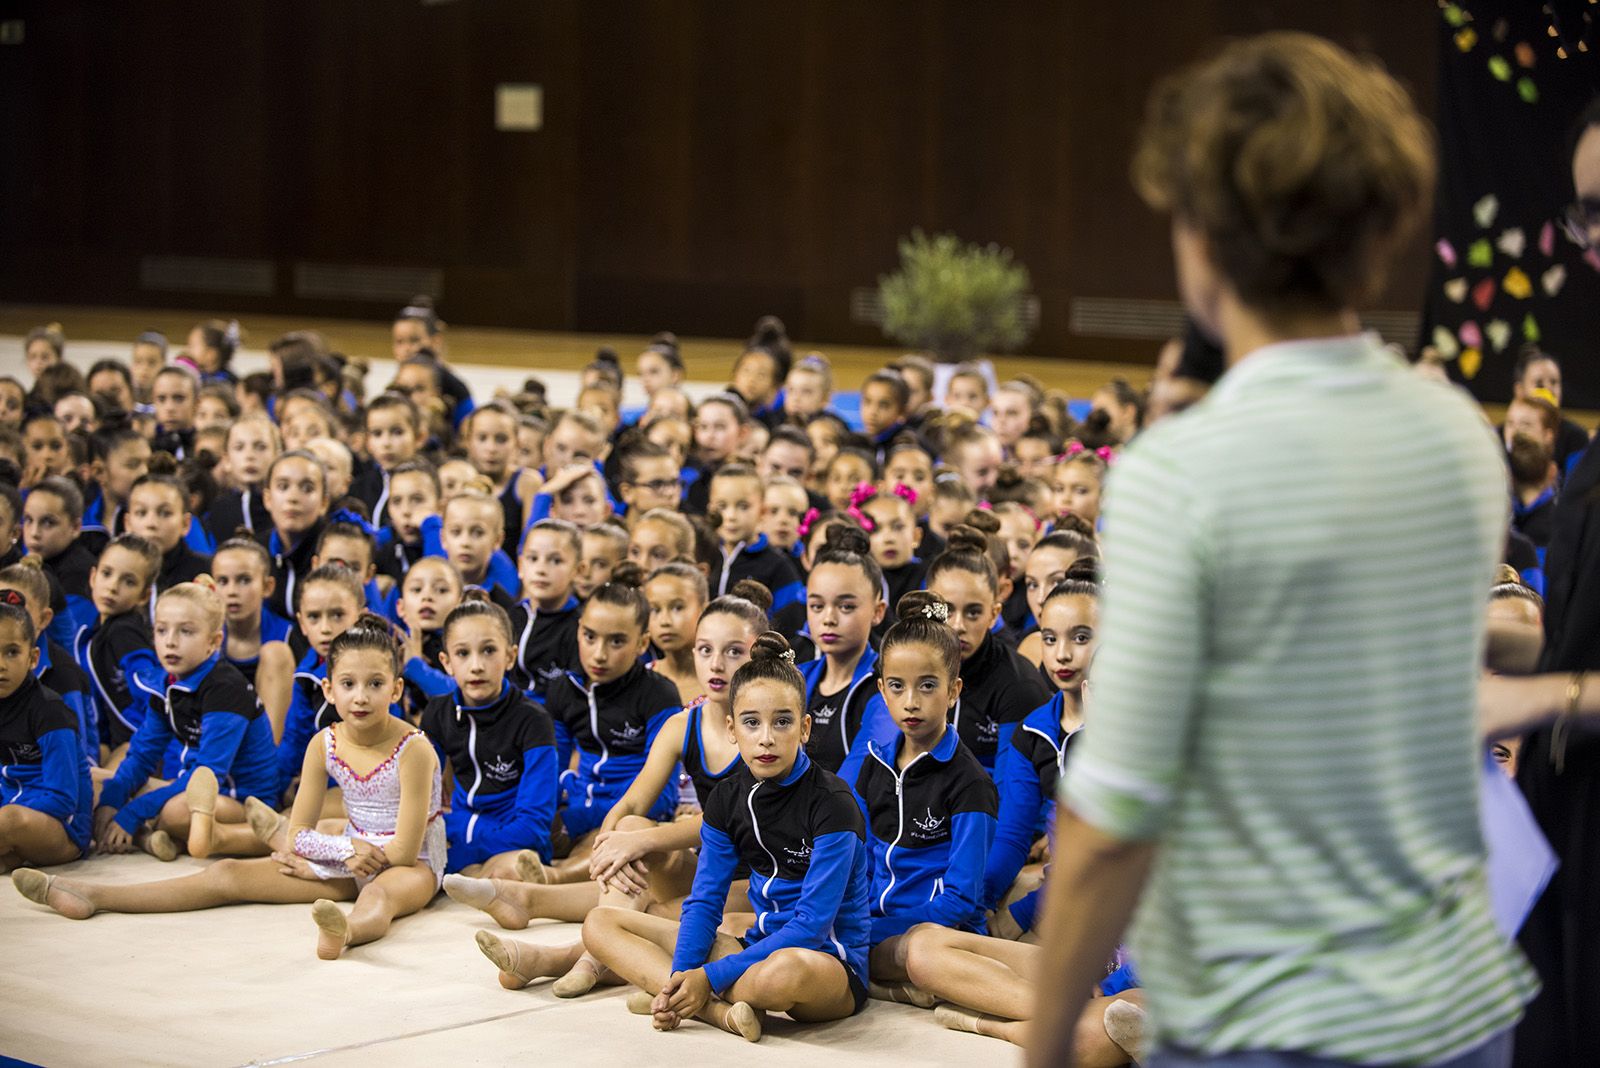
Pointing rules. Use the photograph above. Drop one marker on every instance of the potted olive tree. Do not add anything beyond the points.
(957, 301)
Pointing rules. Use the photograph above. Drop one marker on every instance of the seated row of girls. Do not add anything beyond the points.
(641, 859)
(388, 781)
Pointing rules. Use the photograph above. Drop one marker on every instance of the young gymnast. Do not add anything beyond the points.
(490, 435)
(469, 533)
(604, 546)
(1028, 769)
(394, 435)
(998, 686)
(721, 425)
(885, 403)
(607, 716)
(173, 396)
(637, 862)
(784, 504)
(226, 750)
(1072, 540)
(844, 601)
(796, 828)
(647, 478)
(255, 638)
(1078, 480)
(118, 654)
(158, 511)
(252, 443)
(331, 601)
(676, 593)
(296, 495)
(890, 519)
(45, 448)
(929, 803)
(545, 623)
(660, 365)
(660, 536)
(56, 670)
(45, 793)
(52, 519)
(431, 591)
(499, 745)
(848, 469)
(735, 500)
(413, 496)
(121, 456)
(389, 858)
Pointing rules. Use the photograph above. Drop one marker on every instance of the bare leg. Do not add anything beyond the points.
(227, 882)
(575, 867)
(587, 972)
(1092, 1046)
(991, 975)
(395, 892)
(889, 978)
(216, 824)
(499, 866)
(639, 948)
(28, 836)
(274, 684)
(514, 905)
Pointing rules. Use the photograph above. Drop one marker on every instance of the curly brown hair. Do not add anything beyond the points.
(1302, 166)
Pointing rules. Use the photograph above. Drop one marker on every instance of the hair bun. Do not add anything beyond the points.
(770, 331)
(33, 560)
(369, 620)
(1097, 421)
(846, 538)
(754, 592)
(475, 593)
(983, 521)
(627, 573)
(163, 463)
(205, 582)
(1076, 524)
(770, 646)
(965, 538)
(921, 604)
(607, 355)
(1083, 569)
(1503, 575)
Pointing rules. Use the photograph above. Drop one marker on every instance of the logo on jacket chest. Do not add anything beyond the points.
(501, 768)
(928, 827)
(626, 734)
(801, 852)
(825, 714)
(23, 753)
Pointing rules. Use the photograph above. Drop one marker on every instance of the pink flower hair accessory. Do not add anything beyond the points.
(811, 516)
(905, 492)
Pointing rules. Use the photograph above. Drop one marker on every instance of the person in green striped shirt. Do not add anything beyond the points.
(1283, 768)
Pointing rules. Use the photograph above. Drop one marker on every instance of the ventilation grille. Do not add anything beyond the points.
(1157, 320)
(206, 274)
(866, 307)
(378, 284)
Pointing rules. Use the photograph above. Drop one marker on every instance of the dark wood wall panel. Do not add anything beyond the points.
(701, 162)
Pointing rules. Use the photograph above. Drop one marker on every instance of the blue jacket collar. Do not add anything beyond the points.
(801, 764)
(813, 670)
(190, 682)
(44, 656)
(941, 752)
(500, 698)
(755, 546)
(1520, 509)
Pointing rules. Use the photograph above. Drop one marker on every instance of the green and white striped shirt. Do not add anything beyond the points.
(1284, 700)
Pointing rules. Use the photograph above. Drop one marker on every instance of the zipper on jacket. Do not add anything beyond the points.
(900, 820)
(605, 750)
(755, 825)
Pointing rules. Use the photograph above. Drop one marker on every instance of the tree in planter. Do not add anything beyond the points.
(955, 300)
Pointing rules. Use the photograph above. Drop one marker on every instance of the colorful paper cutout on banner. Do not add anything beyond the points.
(1527, 90)
(1499, 69)
(1530, 329)
(1499, 333)
(1456, 290)
(1471, 361)
(1471, 337)
(1446, 251)
(1517, 284)
(1466, 38)
(1592, 258)
(1513, 242)
(1547, 239)
(1480, 253)
(1553, 279)
(1454, 15)
(1483, 294)
(1445, 342)
(1485, 210)
(1525, 55)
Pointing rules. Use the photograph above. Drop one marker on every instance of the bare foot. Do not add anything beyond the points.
(485, 894)
(530, 869)
(159, 844)
(520, 963)
(266, 824)
(583, 977)
(53, 892)
(333, 930)
(904, 993)
(201, 796)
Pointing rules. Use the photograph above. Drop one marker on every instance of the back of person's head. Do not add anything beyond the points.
(1301, 166)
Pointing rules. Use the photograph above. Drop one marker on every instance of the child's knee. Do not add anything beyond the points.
(635, 823)
(602, 923)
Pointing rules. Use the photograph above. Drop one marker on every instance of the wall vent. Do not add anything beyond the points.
(388, 285)
(208, 274)
(1157, 320)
